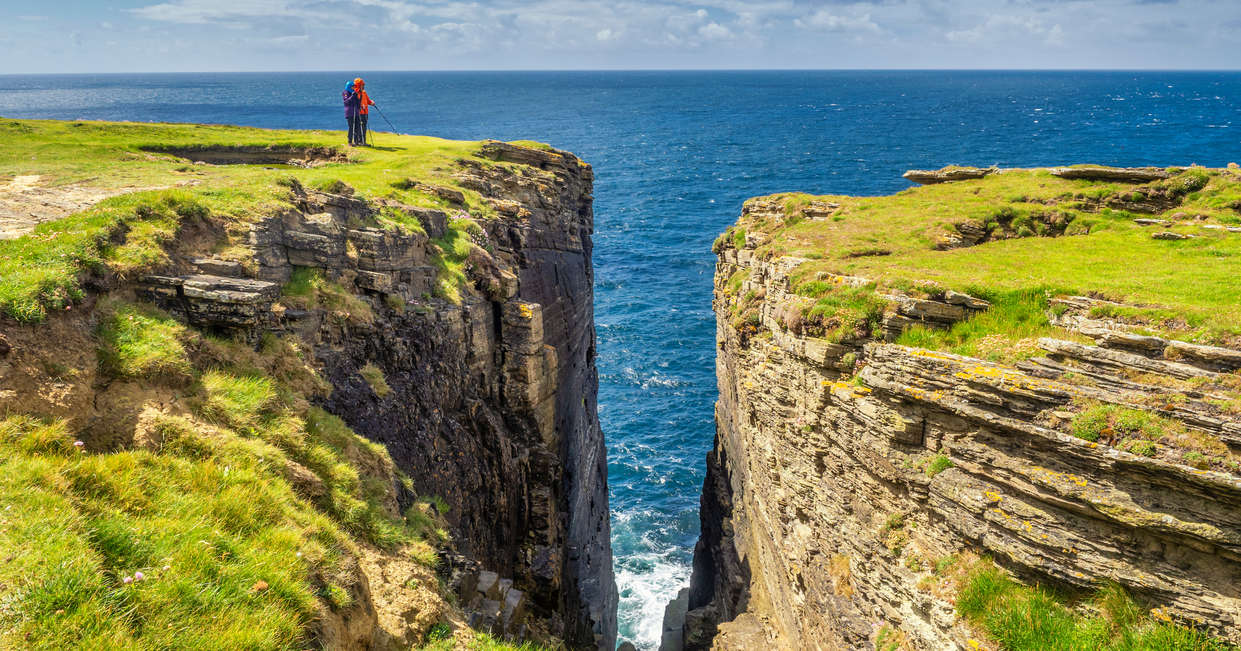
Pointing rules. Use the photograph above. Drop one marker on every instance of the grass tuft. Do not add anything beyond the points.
(374, 377)
(1005, 332)
(1022, 618)
(1139, 432)
(141, 342)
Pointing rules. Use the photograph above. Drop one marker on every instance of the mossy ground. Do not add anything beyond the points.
(42, 271)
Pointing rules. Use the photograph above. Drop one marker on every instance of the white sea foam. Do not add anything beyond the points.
(644, 595)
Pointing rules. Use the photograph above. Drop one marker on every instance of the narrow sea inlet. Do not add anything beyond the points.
(674, 155)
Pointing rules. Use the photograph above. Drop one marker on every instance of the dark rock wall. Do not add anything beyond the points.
(493, 401)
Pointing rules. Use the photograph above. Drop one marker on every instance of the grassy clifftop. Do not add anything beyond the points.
(151, 177)
(1019, 237)
(232, 514)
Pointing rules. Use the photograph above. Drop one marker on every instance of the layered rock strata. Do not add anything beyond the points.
(820, 523)
(490, 402)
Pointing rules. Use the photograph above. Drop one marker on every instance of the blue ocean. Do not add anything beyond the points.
(675, 155)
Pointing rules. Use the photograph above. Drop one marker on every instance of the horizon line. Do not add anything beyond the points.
(603, 70)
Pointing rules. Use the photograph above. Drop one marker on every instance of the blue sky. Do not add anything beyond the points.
(225, 35)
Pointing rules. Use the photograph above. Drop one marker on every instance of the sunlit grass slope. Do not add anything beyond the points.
(43, 270)
(233, 517)
(1047, 236)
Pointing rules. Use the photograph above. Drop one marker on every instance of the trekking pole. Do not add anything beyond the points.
(381, 114)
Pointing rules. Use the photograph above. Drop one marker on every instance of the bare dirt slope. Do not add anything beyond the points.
(25, 202)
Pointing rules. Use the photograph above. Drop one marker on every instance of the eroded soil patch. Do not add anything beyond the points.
(24, 203)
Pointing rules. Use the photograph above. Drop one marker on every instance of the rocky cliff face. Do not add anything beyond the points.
(487, 402)
(842, 470)
(492, 402)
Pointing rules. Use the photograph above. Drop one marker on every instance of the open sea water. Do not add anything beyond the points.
(675, 155)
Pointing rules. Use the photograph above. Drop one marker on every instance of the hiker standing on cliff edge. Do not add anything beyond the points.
(357, 108)
(364, 107)
(352, 106)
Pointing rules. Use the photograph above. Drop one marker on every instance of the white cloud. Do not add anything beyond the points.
(292, 39)
(824, 20)
(1004, 29)
(198, 12)
(714, 32)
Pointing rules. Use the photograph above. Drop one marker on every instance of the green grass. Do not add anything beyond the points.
(440, 640)
(203, 532)
(374, 377)
(1022, 618)
(1007, 331)
(210, 496)
(309, 287)
(1148, 434)
(1102, 252)
(838, 313)
(739, 238)
(938, 464)
(43, 270)
(141, 342)
(890, 639)
(449, 257)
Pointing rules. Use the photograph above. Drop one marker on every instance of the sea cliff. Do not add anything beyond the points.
(394, 346)
(1008, 396)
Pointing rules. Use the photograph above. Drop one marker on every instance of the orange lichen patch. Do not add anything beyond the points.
(999, 376)
(847, 391)
(1051, 476)
(922, 352)
(842, 575)
(922, 394)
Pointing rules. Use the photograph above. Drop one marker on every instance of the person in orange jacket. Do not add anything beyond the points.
(363, 106)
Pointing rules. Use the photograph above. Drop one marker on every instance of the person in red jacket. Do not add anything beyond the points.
(364, 104)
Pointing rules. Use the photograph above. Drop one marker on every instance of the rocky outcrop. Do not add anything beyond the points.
(490, 402)
(822, 515)
(1121, 174)
(948, 174)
